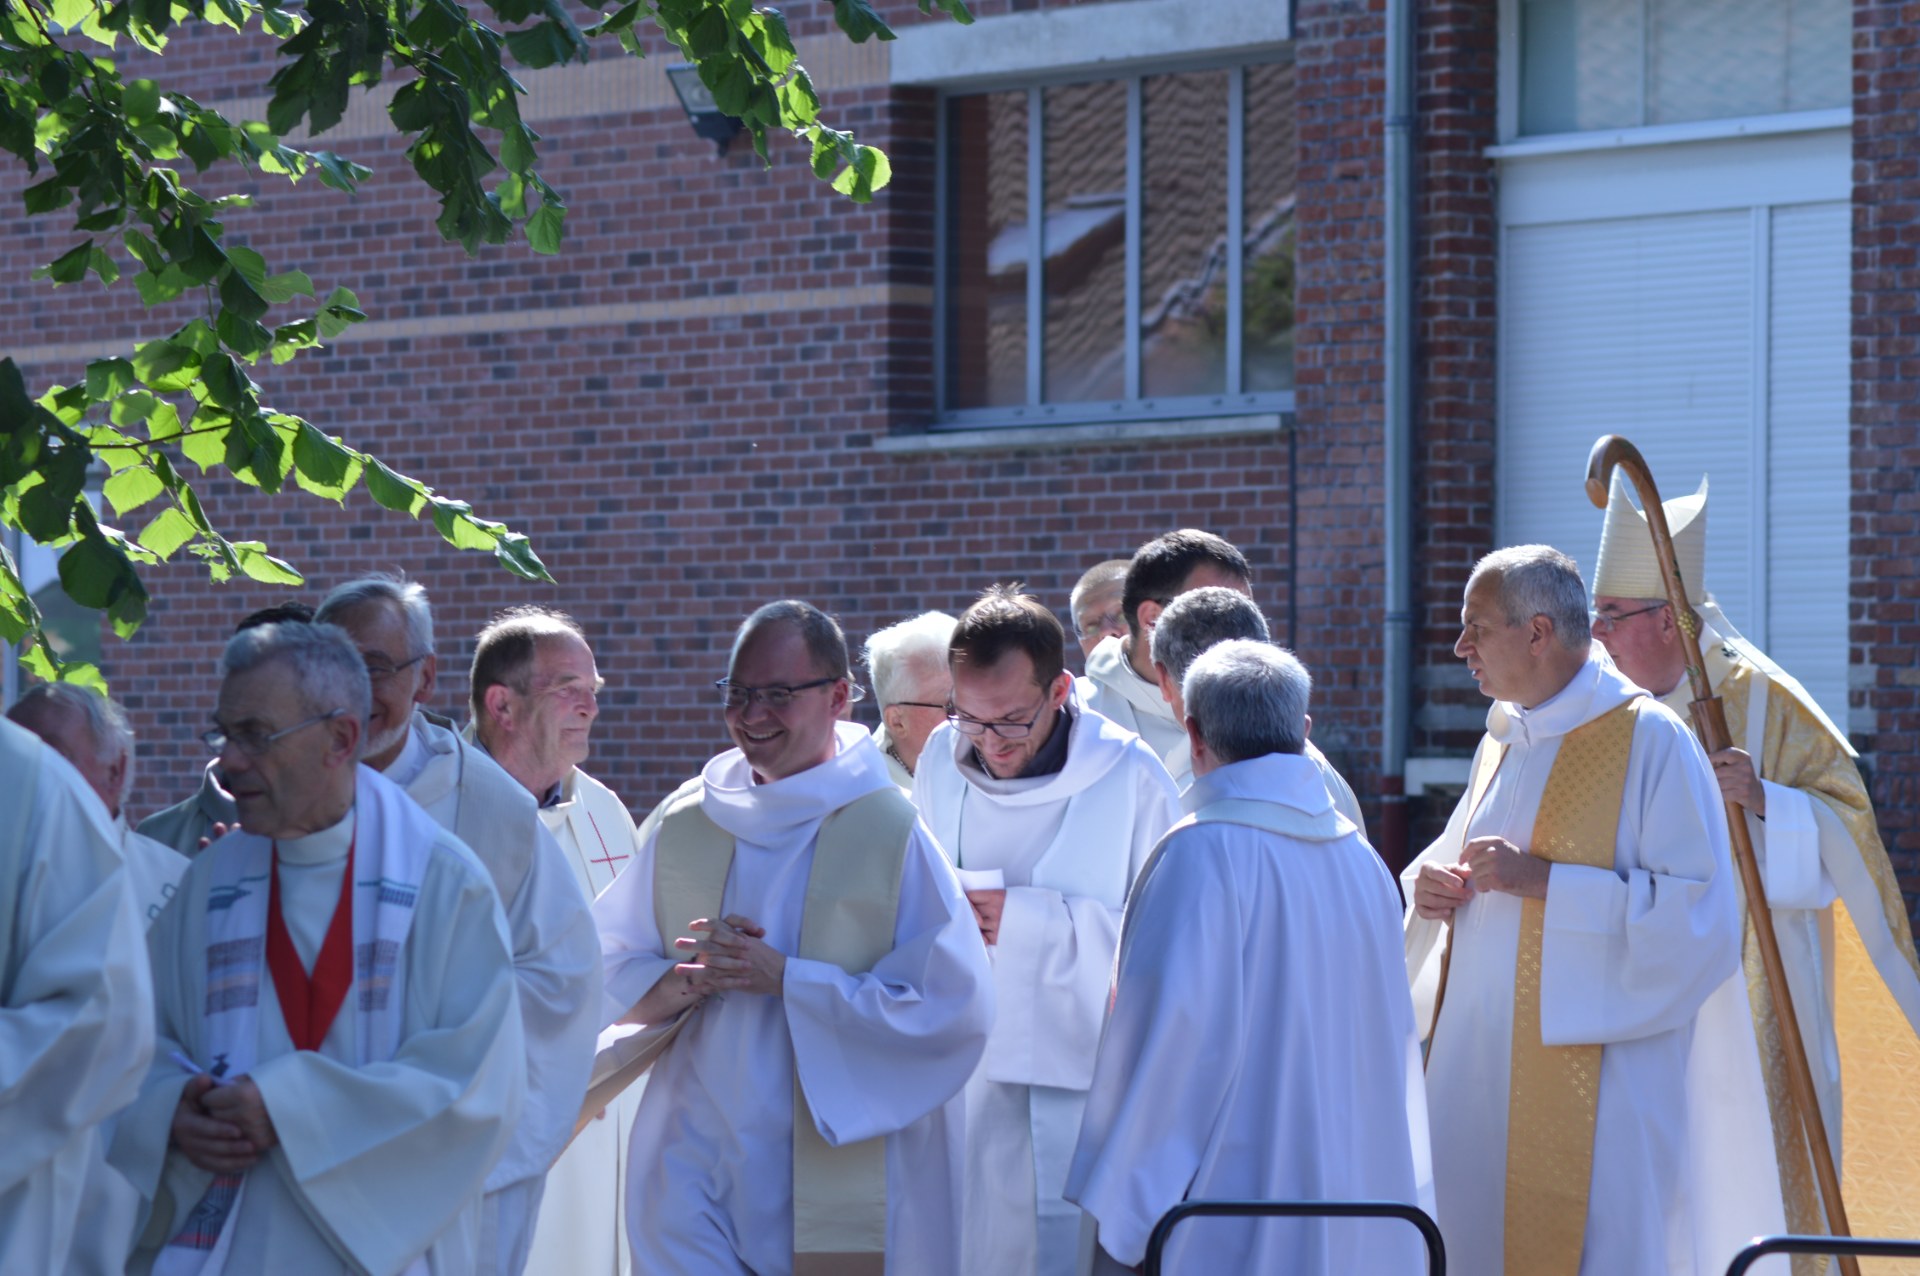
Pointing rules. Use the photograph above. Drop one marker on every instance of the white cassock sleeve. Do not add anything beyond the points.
(876, 1052)
(1789, 846)
(556, 960)
(381, 1158)
(632, 951)
(1626, 954)
(1053, 962)
(1152, 1108)
(76, 1006)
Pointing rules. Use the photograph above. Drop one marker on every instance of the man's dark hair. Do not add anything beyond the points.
(826, 641)
(1008, 619)
(503, 654)
(1163, 564)
(278, 614)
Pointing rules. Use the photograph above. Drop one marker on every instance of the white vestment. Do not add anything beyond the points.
(1113, 690)
(1262, 1042)
(76, 1017)
(555, 956)
(887, 1052)
(582, 1229)
(380, 1165)
(1629, 958)
(154, 869)
(1068, 846)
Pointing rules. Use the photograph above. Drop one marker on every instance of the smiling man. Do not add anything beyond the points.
(1567, 929)
(1051, 810)
(811, 989)
(554, 947)
(534, 694)
(340, 1058)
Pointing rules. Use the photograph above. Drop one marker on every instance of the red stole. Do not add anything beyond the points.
(310, 1003)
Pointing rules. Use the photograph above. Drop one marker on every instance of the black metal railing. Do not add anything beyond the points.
(1429, 1231)
(1857, 1246)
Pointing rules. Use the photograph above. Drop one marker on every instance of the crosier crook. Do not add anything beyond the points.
(1611, 451)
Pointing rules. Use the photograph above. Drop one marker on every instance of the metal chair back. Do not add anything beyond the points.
(1429, 1231)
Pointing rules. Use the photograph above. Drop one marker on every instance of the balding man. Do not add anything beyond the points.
(1197, 621)
(808, 974)
(908, 665)
(76, 1017)
(534, 695)
(91, 731)
(1095, 604)
(555, 951)
(340, 1059)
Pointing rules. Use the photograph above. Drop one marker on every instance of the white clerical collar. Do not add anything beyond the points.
(322, 847)
(1109, 667)
(412, 759)
(1594, 688)
(1290, 779)
(771, 813)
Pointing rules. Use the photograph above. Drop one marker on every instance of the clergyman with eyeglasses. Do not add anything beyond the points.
(1049, 811)
(555, 952)
(807, 984)
(301, 1114)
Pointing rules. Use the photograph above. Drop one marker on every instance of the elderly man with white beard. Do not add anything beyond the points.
(1049, 811)
(555, 950)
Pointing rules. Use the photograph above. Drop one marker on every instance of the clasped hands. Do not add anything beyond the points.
(1487, 864)
(727, 955)
(223, 1129)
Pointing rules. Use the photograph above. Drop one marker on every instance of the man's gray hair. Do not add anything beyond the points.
(903, 656)
(1539, 580)
(106, 721)
(1248, 699)
(410, 596)
(325, 664)
(826, 644)
(1201, 619)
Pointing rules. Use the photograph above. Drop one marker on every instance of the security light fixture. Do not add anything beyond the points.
(708, 120)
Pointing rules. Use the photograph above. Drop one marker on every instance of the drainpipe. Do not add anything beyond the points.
(1397, 356)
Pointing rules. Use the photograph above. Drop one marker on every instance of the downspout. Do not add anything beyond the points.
(1397, 356)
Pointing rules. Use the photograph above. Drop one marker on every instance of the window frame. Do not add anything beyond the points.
(1133, 407)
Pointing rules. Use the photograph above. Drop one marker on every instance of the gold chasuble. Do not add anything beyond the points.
(853, 896)
(1554, 1091)
(1862, 967)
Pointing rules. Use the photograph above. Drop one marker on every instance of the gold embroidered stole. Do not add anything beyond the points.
(1554, 1091)
(853, 896)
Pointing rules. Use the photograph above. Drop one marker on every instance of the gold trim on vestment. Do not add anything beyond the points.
(1554, 1091)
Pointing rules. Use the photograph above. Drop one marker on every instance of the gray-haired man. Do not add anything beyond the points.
(92, 732)
(911, 685)
(1204, 618)
(1311, 1086)
(556, 951)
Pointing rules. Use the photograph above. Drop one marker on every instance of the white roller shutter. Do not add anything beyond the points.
(1716, 338)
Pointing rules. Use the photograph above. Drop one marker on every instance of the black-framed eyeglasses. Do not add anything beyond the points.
(735, 696)
(255, 743)
(380, 673)
(1005, 730)
(919, 704)
(1604, 621)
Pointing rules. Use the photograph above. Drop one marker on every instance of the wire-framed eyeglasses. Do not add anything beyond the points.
(1604, 621)
(255, 743)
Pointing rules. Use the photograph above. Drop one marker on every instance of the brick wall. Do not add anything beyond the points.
(1886, 411)
(681, 410)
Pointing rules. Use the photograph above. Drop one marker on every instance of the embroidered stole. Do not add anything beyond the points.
(853, 896)
(400, 838)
